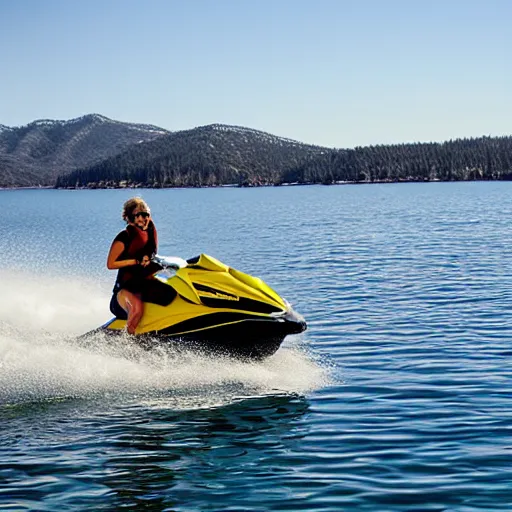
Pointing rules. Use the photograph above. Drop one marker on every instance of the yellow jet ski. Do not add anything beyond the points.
(202, 303)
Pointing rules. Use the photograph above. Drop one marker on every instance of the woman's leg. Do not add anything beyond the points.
(133, 305)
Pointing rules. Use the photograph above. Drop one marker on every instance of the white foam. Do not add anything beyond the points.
(52, 303)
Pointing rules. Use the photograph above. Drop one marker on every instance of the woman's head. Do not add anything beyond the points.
(135, 208)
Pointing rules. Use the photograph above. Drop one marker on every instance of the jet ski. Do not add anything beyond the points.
(201, 303)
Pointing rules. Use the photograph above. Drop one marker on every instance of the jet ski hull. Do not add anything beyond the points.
(246, 338)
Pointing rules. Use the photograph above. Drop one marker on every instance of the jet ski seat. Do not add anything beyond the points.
(156, 292)
(153, 291)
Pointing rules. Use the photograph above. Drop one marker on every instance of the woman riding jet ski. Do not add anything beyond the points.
(213, 307)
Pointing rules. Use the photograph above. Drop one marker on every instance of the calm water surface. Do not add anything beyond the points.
(398, 397)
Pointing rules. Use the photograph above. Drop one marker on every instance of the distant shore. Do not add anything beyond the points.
(28, 188)
(229, 185)
(236, 185)
(141, 186)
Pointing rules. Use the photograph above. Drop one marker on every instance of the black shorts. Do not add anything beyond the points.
(149, 290)
(116, 308)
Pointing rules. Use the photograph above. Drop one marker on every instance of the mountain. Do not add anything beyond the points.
(36, 154)
(205, 156)
(94, 151)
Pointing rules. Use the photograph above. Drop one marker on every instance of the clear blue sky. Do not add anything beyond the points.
(339, 73)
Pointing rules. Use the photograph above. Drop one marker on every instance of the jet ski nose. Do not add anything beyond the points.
(298, 327)
(296, 323)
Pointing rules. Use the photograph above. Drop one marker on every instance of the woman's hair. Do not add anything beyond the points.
(131, 205)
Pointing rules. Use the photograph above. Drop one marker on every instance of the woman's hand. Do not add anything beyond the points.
(145, 261)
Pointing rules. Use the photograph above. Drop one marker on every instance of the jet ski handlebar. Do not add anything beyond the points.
(172, 262)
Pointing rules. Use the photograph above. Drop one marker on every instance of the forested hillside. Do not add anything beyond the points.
(35, 154)
(94, 151)
(205, 156)
(219, 155)
(485, 158)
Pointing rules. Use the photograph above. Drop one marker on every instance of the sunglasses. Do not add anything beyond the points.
(144, 215)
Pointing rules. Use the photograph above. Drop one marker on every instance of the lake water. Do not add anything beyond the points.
(397, 398)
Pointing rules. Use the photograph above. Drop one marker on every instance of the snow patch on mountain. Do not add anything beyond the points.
(95, 119)
(251, 133)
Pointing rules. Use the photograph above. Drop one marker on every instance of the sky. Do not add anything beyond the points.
(336, 73)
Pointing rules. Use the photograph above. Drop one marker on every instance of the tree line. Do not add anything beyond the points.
(216, 155)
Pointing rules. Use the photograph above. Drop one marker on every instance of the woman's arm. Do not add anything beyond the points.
(116, 250)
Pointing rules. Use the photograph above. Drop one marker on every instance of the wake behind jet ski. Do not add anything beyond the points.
(207, 305)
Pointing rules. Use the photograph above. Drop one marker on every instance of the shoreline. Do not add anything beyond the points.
(35, 187)
(235, 185)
